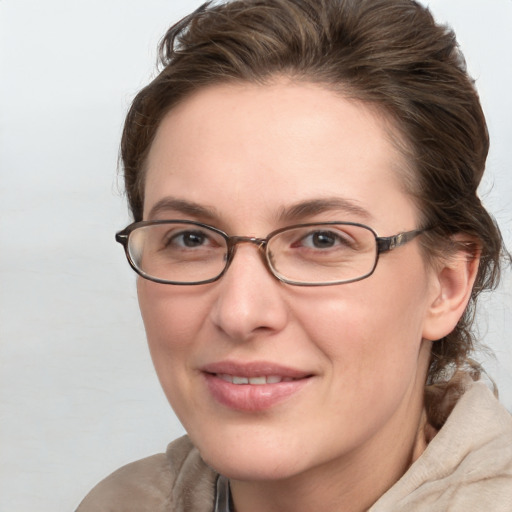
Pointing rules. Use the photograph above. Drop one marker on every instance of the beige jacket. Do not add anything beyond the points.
(467, 467)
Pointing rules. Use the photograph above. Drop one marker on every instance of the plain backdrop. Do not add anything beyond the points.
(78, 395)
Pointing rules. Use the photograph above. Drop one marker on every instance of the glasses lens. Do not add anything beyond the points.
(323, 253)
(177, 252)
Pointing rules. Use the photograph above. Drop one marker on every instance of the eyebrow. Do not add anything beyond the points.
(294, 213)
(190, 208)
(309, 208)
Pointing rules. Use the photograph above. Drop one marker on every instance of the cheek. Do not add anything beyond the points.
(168, 316)
(171, 321)
(369, 328)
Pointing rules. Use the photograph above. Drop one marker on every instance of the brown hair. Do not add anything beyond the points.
(387, 53)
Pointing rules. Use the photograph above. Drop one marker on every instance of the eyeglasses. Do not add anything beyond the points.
(186, 252)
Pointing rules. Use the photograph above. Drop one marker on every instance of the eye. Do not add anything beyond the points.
(189, 239)
(324, 239)
(320, 239)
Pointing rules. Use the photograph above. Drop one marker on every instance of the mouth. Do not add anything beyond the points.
(255, 386)
(255, 381)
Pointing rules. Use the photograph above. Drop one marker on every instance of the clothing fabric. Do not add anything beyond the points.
(467, 467)
(223, 497)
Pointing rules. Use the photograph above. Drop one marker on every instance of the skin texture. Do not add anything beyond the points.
(246, 153)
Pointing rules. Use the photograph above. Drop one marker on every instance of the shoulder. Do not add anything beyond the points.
(467, 466)
(177, 481)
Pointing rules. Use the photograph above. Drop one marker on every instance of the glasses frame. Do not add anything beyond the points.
(383, 244)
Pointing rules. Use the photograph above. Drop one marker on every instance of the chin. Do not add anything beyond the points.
(242, 469)
(254, 457)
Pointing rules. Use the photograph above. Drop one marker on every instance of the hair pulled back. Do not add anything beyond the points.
(387, 53)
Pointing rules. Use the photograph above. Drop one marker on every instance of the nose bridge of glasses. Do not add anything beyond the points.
(233, 241)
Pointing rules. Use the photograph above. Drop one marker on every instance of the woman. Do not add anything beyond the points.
(302, 176)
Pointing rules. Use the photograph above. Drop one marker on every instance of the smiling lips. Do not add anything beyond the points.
(257, 381)
(252, 387)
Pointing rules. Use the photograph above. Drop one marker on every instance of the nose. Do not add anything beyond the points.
(250, 299)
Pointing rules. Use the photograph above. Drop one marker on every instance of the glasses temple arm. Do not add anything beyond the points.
(388, 243)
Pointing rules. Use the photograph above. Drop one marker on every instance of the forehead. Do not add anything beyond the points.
(253, 150)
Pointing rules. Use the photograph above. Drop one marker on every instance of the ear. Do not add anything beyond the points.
(453, 280)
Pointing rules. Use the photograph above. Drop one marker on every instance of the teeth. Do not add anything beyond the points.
(258, 381)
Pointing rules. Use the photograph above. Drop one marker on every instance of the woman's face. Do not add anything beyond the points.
(242, 158)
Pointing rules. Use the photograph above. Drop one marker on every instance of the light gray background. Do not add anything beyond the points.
(78, 395)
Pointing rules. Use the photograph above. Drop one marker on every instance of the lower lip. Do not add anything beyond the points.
(252, 397)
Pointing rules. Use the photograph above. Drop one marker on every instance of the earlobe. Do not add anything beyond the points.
(454, 281)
